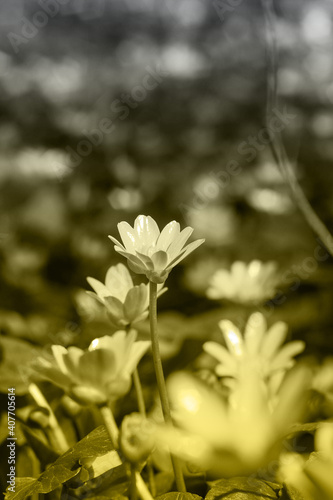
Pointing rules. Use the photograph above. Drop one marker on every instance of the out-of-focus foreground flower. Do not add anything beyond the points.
(125, 303)
(261, 347)
(312, 477)
(99, 374)
(235, 438)
(245, 283)
(150, 251)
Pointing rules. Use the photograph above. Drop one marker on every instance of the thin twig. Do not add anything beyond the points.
(277, 146)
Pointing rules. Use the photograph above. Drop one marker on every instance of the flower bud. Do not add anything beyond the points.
(136, 438)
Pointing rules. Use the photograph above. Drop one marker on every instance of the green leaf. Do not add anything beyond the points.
(16, 359)
(48, 481)
(242, 488)
(66, 467)
(174, 495)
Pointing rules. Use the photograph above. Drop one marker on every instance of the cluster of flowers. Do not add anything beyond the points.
(233, 434)
(103, 372)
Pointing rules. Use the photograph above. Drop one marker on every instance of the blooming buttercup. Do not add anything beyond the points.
(125, 303)
(260, 347)
(236, 437)
(99, 374)
(153, 252)
(245, 283)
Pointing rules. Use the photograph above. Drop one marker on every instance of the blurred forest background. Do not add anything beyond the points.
(111, 108)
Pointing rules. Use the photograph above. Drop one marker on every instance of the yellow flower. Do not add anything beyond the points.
(99, 374)
(259, 346)
(125, 303)
(245, 283)
(235, 438)
(150, 251)
(312, 477)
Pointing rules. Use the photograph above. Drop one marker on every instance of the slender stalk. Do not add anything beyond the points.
(142, 410)
(139, 393)
(113, 431)
(160, 378)
(134, 493)
(277, 146)
(56, 433)
(111, 426)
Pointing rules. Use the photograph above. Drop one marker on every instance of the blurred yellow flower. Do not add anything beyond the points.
(245, 283)
(312, 476)
(150, 251)
(235, 438)
(125, 303)
(99, 374)
(260, 347)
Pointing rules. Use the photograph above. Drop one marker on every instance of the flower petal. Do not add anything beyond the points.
(221, 354)
(254, 332)
(118, 281)
(117, 244)
(59, 352)
(99, 288)
(146, 260)
(232, 337)
(146, 230)
(286, 354)
(186, 251)
(274, 338)
(127, 235)
(160, 260)
(178, 243)
(97, 366)
(169, 234)
(115, 308)
(138, 350)
(198, 409)
(136, 302)
(52, 373)
(135, 260)
(72, 359)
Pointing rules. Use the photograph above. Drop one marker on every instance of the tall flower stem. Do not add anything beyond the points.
(56, 434)
(160, 378)
(112, 428)
(139, 393)
(134, 492)
(142, 410)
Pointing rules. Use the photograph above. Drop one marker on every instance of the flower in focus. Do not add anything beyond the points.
(260, 347)
(150, 251)
(235, 438)
(125, 303)
(136, 437)
(245, 283)
(312, 477)
(101, 373)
